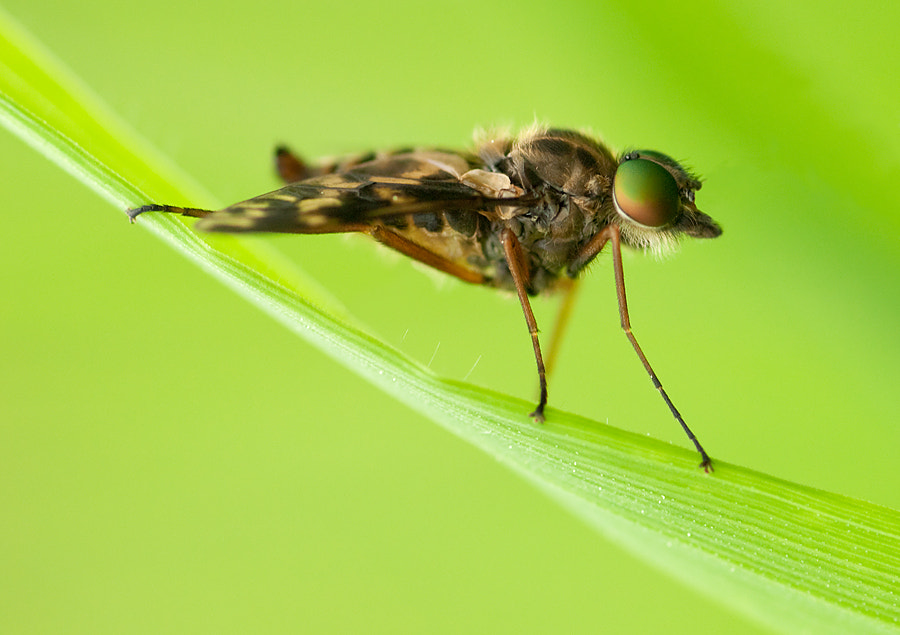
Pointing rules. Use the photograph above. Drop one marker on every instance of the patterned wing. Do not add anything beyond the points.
(397, 190)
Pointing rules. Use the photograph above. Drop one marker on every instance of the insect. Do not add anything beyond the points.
(524, 213)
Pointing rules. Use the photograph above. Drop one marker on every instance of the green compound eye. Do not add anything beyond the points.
(646, 193)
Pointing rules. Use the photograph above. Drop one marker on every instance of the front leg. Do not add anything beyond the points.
(518, 268)
(611, 234)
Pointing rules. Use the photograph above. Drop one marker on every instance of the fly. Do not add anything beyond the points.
(524, 213)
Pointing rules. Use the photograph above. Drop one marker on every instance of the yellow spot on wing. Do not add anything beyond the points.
(313, 219)
(337, 181)
(389, 194)
(308, 205)
(242, 222)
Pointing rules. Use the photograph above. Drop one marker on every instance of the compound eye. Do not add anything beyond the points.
(646, 193)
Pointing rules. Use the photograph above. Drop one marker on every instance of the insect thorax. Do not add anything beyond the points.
(571, 176)
(561, 181)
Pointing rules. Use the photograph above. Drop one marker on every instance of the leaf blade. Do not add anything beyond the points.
(789, 556)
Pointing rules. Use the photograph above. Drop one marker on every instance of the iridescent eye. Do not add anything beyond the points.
(646, 193)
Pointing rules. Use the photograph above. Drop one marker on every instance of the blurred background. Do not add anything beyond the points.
(171, 459)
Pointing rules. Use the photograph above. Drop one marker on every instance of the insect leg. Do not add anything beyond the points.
(611, 233)
(408, 248)
(397, 242)
(184, 211)
(290, 167)
(515, 259)
(570, 291)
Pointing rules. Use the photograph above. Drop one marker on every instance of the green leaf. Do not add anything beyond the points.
(789, 556)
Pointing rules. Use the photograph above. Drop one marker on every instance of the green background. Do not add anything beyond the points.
(172, 459)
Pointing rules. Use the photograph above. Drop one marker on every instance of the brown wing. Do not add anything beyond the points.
(382, 191)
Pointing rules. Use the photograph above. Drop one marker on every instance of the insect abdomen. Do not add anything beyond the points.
(454, 235)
